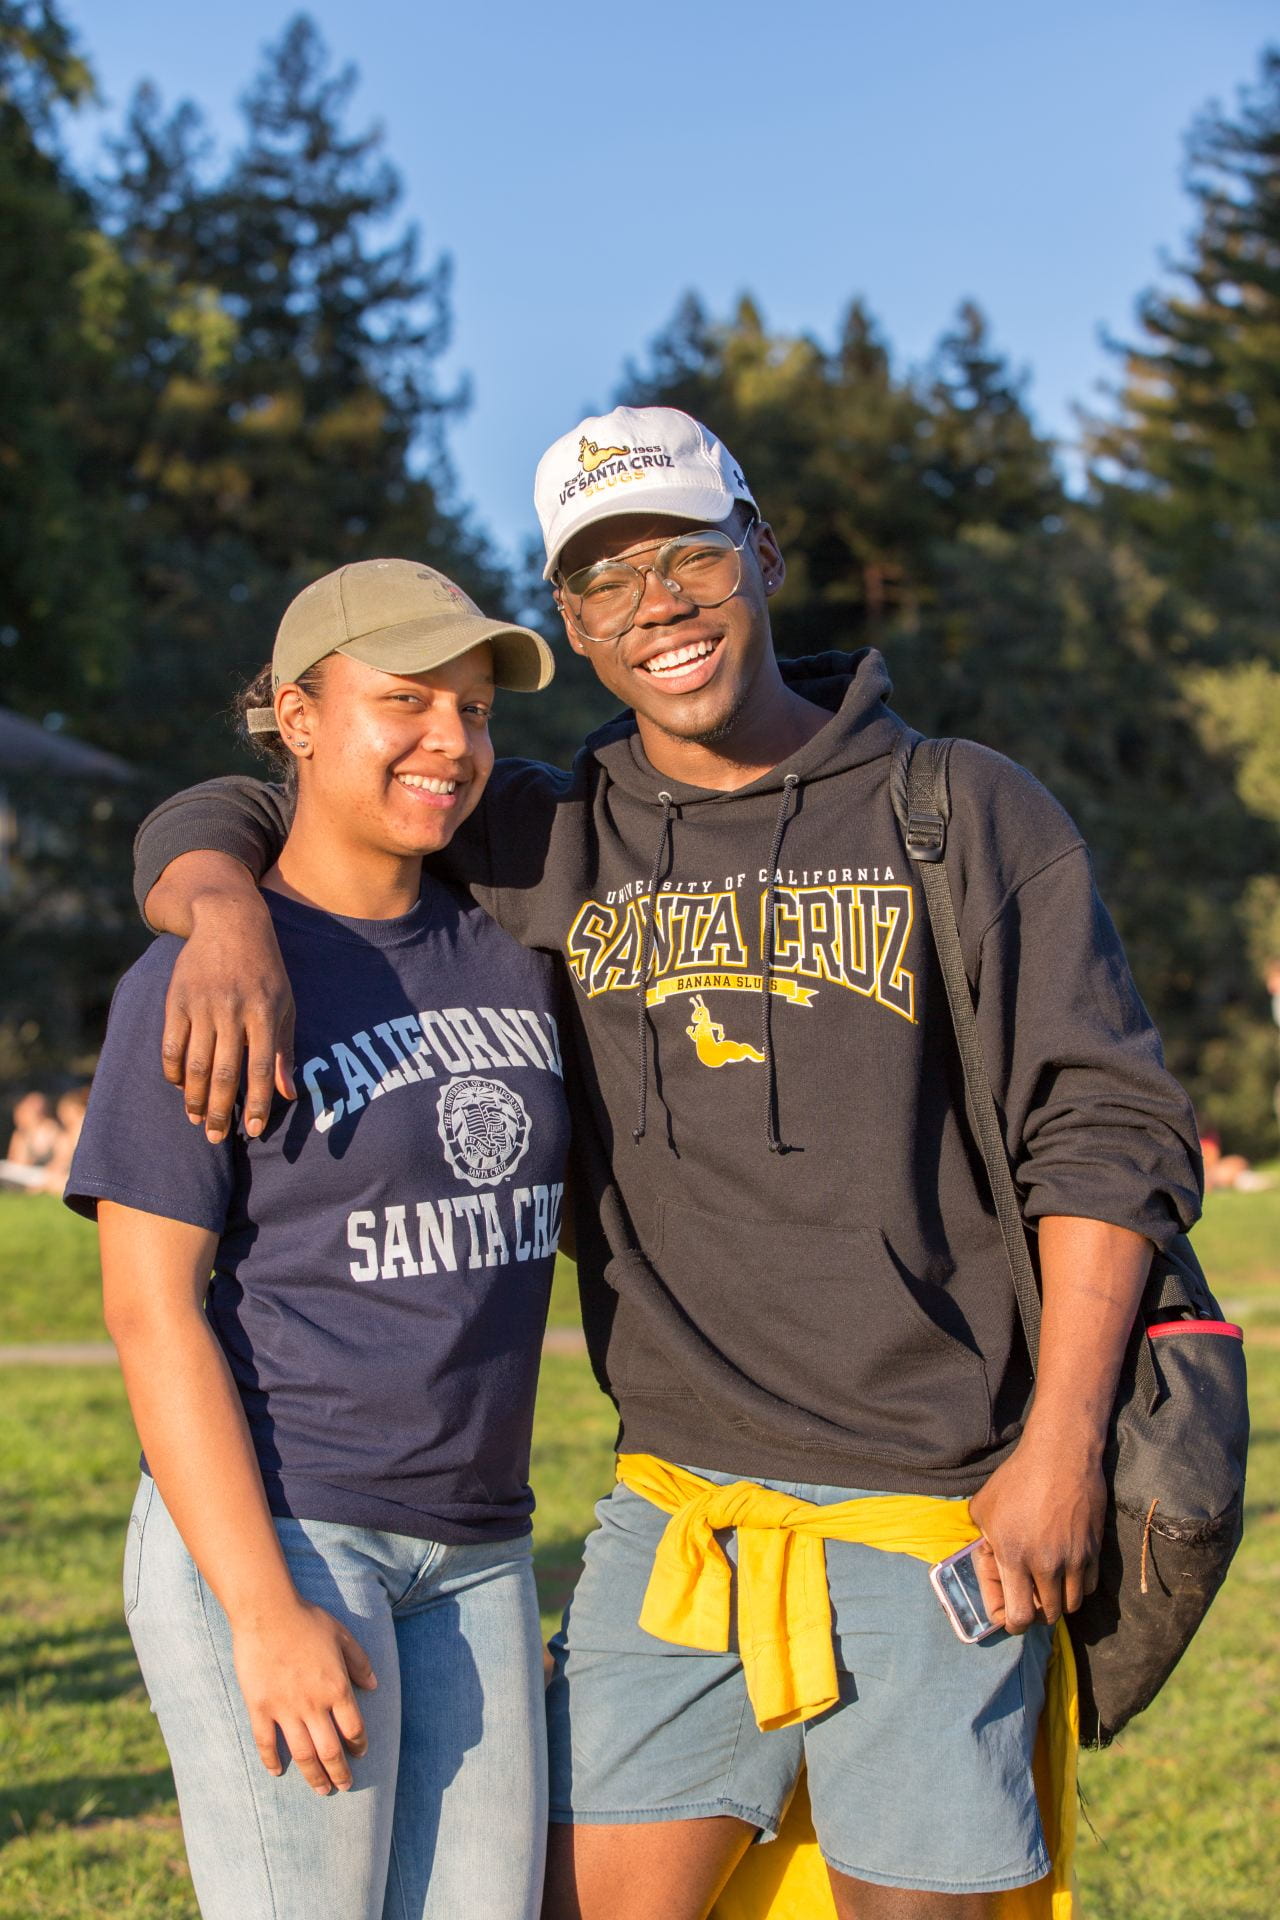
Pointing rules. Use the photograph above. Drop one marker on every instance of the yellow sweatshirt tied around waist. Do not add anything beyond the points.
(788, 1655)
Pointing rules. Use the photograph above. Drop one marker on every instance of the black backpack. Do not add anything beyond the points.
(1175, 1459)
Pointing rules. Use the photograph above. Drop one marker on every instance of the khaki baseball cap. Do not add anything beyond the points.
(400, 616)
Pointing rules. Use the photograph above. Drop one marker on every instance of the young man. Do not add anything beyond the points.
(791, 1271)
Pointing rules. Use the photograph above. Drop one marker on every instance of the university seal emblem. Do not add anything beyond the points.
(485, 1129)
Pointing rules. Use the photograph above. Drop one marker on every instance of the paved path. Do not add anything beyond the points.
(564, 1340)
(100, 1353)
(77, 1353)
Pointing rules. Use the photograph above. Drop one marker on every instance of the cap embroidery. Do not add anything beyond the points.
(590, 456)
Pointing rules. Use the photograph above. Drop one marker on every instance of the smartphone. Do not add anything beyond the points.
(955, 1581)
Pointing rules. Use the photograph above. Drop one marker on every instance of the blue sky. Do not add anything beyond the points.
(585, 165)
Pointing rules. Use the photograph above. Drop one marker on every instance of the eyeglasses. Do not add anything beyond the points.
(705, 567)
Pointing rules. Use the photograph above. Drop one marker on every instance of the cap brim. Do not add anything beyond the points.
(704, 506)
(522, 660)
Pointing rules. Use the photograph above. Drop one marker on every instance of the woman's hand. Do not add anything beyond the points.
(297, 1673)
(295, 1663)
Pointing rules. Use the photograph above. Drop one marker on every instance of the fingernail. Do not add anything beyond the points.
(253, 1128)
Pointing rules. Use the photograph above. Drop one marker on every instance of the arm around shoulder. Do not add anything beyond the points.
(241, 819)
(229, 997)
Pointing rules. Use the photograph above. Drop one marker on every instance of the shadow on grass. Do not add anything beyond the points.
(40, 1805)
(28, 1522)
(557, 1562)
(77, 1667)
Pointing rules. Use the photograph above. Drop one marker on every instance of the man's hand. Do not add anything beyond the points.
(229, 992)
(1043, 1509)
(1041, 1513)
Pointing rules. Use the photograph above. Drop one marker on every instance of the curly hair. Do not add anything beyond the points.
(257, 696)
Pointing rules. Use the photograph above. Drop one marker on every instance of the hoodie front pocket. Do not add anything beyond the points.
(826, 1321)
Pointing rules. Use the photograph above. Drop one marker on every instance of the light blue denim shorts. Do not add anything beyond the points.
(920, 1777)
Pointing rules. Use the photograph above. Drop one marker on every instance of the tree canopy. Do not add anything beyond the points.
(220, 376)
(922, 512)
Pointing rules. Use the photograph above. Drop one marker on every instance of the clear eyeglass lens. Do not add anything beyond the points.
(702, 567)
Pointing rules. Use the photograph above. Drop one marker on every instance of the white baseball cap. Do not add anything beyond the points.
(633, 460)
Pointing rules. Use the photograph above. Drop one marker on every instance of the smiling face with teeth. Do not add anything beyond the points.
(703, 682)
(389, 766)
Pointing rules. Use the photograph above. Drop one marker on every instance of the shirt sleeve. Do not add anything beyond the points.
(1095, 1124)
(247, 819)
(502, 854)
(137, 1146)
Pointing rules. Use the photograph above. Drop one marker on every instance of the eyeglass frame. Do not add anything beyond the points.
(560, 581)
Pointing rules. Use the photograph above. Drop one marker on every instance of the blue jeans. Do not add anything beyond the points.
(447, 1812)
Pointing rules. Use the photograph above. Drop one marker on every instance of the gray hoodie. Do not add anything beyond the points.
(790, 1264)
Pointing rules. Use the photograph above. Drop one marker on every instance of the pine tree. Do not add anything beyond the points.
(925, 513)
(1192, 463)
(60, 576)
(296, 423)
(1189, 473)
(985, 460)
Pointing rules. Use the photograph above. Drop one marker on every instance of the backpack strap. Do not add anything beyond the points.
(920, 788)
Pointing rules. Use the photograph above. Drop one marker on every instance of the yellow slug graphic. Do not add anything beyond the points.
(708, 1038)
(590, 456)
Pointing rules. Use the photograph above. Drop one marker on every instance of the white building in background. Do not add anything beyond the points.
(30, 755)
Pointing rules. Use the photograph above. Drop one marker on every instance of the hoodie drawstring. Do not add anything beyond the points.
(789, 786)
(646, 954)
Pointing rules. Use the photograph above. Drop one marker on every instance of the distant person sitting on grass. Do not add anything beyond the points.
(1229, 1172)
(42, 1145)
(35, 1132)
(337, 1425)
(70, 1110)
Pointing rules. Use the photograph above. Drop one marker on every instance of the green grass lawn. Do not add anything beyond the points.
(48, 1272)
(49, 1275)
(1186, 1809)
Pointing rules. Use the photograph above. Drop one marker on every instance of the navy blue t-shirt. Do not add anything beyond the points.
(386, 1246)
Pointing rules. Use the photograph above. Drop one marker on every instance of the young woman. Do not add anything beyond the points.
(328, 1576)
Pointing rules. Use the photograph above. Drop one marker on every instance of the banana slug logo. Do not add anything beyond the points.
(590, 456)
(709, 1042)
